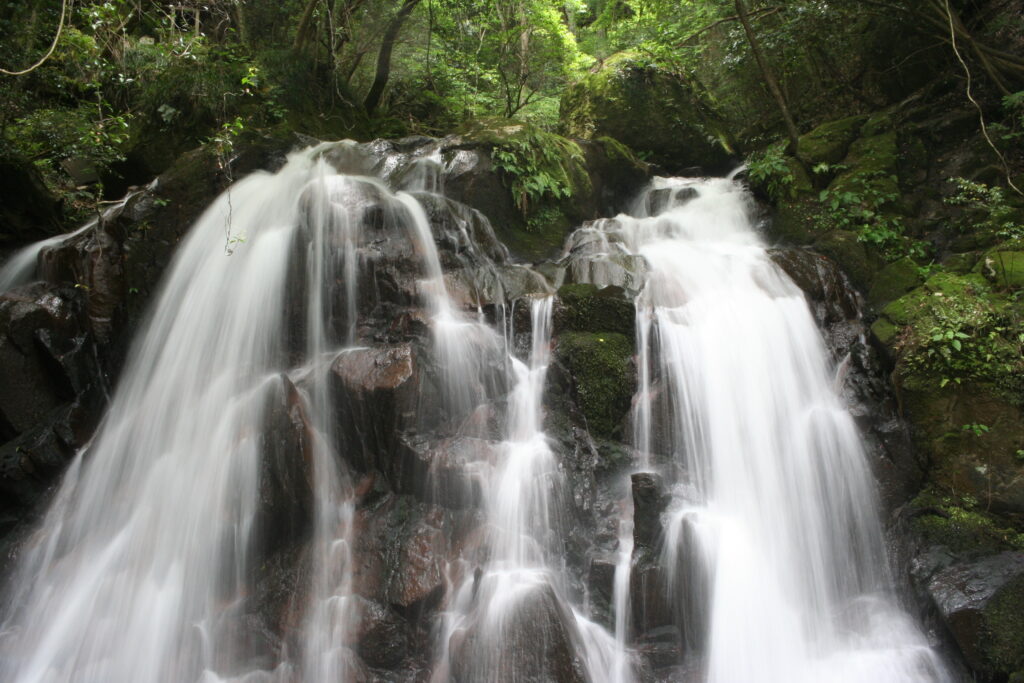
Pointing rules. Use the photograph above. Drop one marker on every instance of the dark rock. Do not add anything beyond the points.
(381, 636)
(666, 198)
(649, 503)
(28, 212)
(648, 109)
(537, 643)
(374, 396)
(440, 473)
(819, 277)
(982, 603)
(287, 507)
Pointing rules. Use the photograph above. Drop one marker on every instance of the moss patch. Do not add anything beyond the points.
(601, 364)
(589, 309)
(893, 281)
(872, 164)
(958, 524)
(829, 142)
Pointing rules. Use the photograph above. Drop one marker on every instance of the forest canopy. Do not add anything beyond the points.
(112, 90)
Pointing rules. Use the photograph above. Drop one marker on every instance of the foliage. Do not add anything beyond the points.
(958, 335)
(771, 169)
(541, 165)
(990, 206)
(861, 205)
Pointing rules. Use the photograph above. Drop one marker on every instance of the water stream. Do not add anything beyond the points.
(148, 564)
(774, 553)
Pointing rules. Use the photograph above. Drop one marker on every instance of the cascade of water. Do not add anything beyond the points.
(774, 511)
(21, 266)
(143, 559)
(513, 605)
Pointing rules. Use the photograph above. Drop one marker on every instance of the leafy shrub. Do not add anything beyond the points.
(771, 170)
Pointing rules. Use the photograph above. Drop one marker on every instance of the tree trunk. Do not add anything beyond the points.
(769, 77)
(304, 31)
(387, 44)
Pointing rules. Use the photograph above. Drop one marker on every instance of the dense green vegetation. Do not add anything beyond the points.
(132, 83)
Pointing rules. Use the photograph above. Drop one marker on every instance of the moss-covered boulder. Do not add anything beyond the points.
(586, 308)
(1004, 268)
(648, 108)
(894, 280)
(959, 372)
(601, 364)
(829, 142)
(982, 604)
(871, 167)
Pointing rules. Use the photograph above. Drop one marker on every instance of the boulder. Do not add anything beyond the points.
(537, 643)
(982, 604)
(649, 109)
(829, 142)
(604, 376)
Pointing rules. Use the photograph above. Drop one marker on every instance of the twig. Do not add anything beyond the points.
(970, 96)
(53, 46)
(756, 14)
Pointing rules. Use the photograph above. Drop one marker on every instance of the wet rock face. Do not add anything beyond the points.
(982, 604)
(535, 643)
(374, 392)
(51, 391)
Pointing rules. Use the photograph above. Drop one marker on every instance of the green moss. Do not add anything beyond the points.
(1004, 626)
(618, 152)
(893, 281)
(871, 163)
(794, 221)
(601, 364)
(829, 142)
(885, 331)
(957, 524)
(1005, 268)
(960, 263)
(589, 309)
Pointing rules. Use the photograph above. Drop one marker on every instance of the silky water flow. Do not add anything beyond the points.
(776, 568)
(143, 567)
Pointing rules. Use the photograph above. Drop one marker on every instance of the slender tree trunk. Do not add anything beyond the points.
(769, 77)
(387, 45)
(305, 30)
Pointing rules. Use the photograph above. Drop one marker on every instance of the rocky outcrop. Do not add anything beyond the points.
(51, 391)
(651, 110)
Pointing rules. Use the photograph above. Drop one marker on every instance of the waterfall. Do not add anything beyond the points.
(235, 445)
(141, 566)
(774, 556)
(511, 616)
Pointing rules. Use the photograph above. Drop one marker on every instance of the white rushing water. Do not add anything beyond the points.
(777, 568)
(511, 615)
(147, 564)
(20, 267)
(143, 568)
